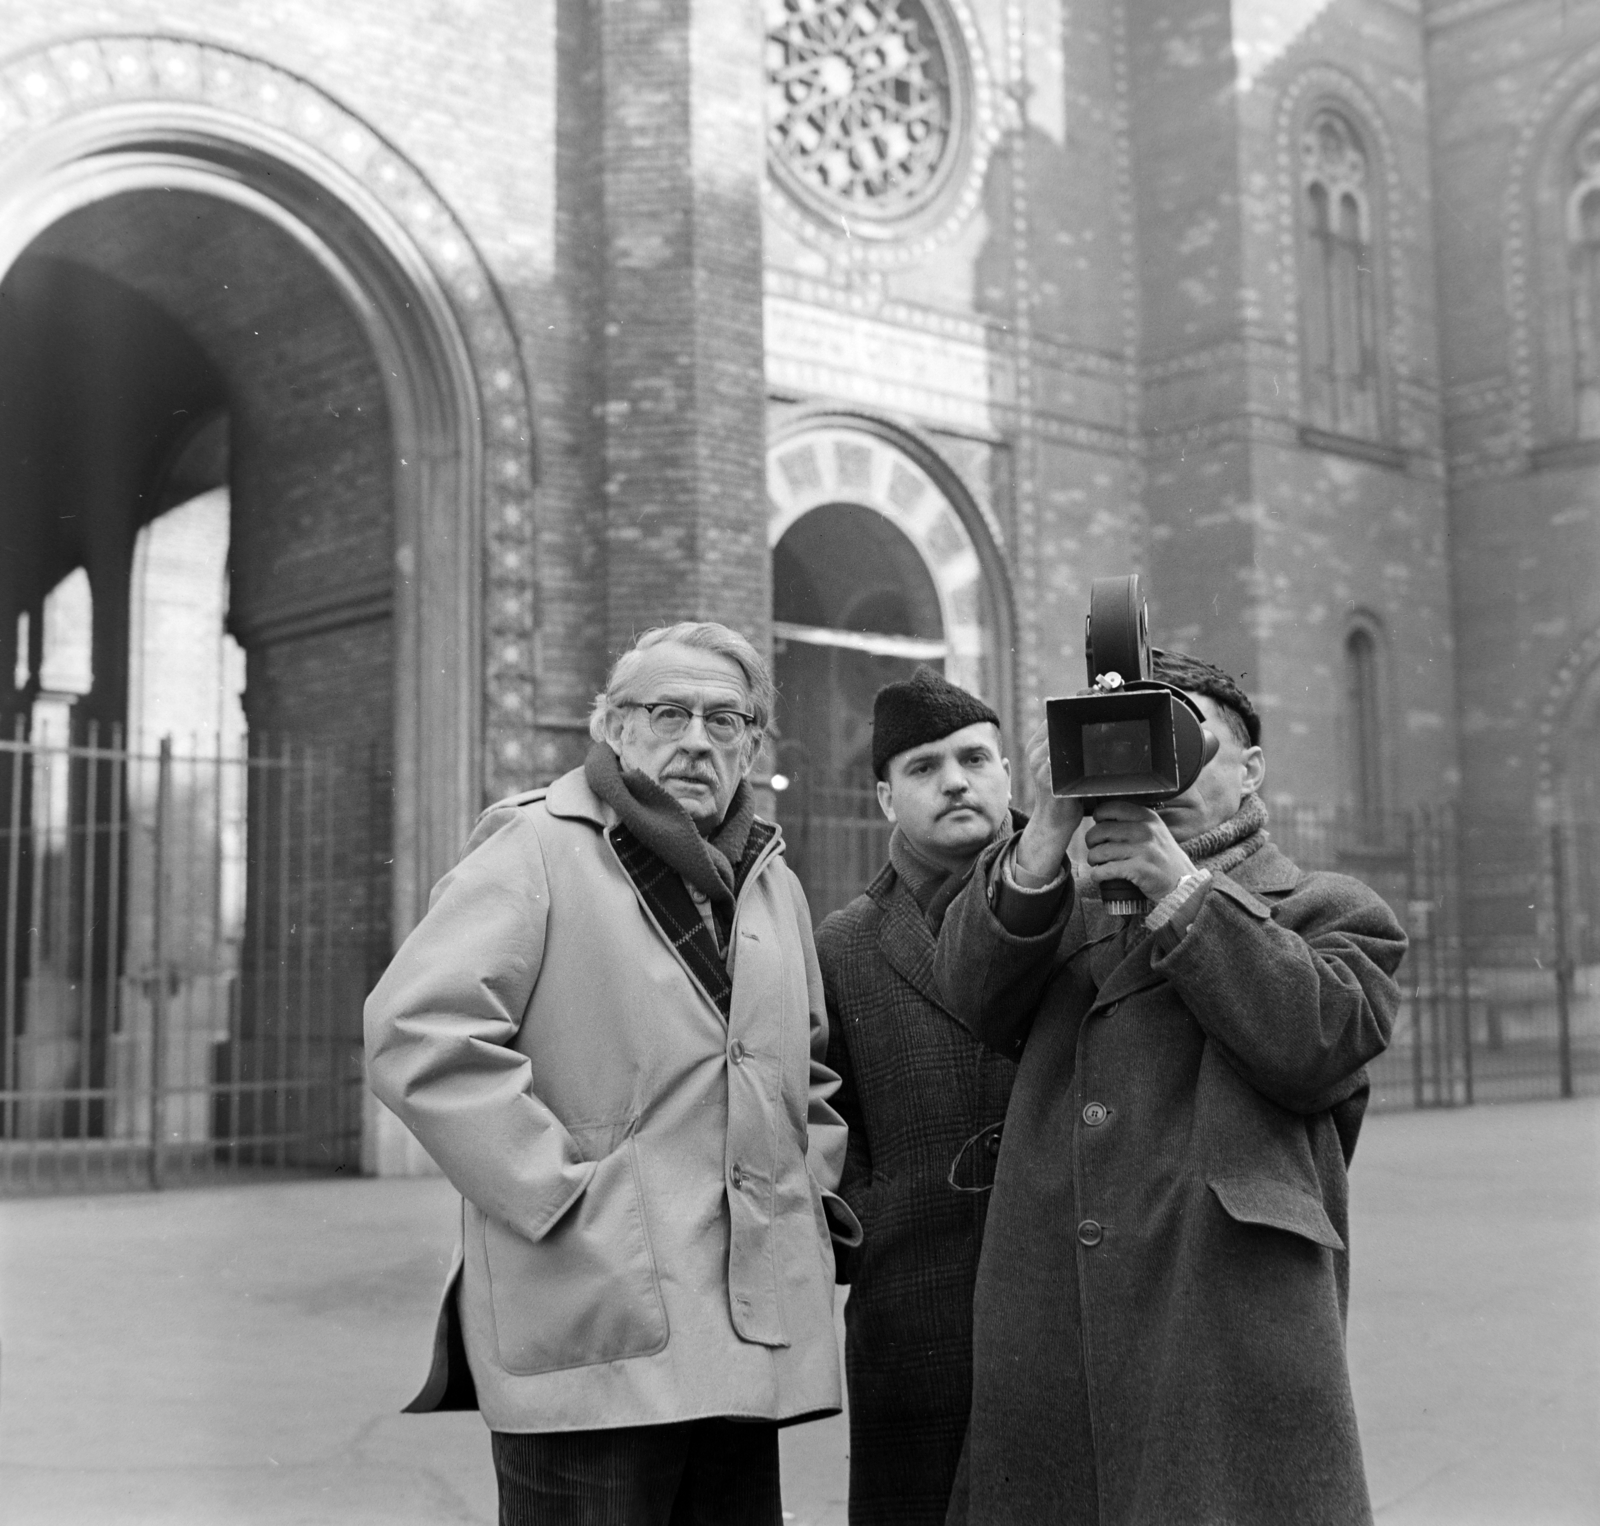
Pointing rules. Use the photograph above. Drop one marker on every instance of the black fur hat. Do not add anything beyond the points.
(923, 708)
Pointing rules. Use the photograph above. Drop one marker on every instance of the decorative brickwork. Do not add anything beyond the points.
(1571, 94)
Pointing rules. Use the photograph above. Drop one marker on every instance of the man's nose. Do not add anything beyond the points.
(695, 736)
(953, 779)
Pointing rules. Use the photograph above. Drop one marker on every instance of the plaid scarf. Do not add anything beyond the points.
(664, 853)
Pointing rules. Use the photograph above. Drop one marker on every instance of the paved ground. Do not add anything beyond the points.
(229, 1357)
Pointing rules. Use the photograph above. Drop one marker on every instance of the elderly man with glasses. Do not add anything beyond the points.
(609, 1032)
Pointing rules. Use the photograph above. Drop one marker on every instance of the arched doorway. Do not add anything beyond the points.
(204, 305)
(877, 566)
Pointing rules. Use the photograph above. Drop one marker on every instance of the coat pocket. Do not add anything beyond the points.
(1278, 1205)
(585, 1293)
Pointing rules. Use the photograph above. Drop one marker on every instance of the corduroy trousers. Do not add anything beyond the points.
(697, 1473)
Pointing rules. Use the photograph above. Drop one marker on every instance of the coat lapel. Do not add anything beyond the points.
(903, 937)
(1130, 973)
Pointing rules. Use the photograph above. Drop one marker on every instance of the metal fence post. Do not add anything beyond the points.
(158, 997)
(1455, 945)
(1417, 1027)
(1558, 887)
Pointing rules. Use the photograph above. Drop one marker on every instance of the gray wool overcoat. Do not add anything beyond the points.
(1159, 1317)
(915, 1087)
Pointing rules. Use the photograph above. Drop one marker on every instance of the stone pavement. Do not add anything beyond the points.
(237, 1356)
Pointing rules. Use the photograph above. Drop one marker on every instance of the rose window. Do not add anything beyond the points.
(859, 107)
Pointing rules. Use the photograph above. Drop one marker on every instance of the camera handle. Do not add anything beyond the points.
(1121, 898)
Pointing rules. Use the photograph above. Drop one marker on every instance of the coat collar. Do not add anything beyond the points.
(1268, 871)
(570, 797)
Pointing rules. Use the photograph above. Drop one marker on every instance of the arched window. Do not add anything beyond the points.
(1583, 239)
(1339, 318)
(1364, 712)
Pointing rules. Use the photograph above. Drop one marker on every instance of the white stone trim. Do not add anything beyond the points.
(803, 474)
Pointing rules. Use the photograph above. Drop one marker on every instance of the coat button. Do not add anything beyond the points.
(1095, 1114)
(736, 1052)
(736, 1176)
(1090, 1233)
(993, 1143)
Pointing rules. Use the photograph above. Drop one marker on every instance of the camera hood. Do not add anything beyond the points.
(1143, 741)
(1132, 737)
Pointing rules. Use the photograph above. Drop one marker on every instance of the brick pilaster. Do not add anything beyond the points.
(682, 404)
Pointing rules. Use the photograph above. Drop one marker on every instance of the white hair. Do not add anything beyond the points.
(703, 636)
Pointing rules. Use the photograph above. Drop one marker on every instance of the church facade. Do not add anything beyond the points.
(497, 331)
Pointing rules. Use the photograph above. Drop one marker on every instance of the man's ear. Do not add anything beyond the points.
(886, 802)
(1005, 764)
(752, 750)
(615, 721)
(1255, 770)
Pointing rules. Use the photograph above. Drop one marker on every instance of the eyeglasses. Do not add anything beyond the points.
(669, 721)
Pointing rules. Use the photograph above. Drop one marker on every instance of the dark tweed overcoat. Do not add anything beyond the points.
(1159, 1320)
(916, 1087)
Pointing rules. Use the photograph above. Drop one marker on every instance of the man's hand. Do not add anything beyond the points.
(1044, 841)
(1130, 842)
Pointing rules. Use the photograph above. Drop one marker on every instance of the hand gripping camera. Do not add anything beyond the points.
(1133, 738)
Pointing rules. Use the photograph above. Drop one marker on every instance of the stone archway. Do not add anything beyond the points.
(94, 136)
(101, 117)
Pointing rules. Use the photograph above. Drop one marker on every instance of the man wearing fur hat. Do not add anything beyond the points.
(1159, 1319)
(923, 1099)
(609, 1032)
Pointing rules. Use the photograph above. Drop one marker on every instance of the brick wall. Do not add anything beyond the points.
(1130, 269)
(682, 411)
(1509, 86)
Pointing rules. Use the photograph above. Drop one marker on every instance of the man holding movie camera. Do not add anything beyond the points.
(1159, 1316)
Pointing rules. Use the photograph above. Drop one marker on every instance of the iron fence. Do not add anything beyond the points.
(835, 836)
(1502, 980)
(185, 940)
(1494, 1008)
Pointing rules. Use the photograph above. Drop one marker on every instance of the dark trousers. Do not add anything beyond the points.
(698, 1473)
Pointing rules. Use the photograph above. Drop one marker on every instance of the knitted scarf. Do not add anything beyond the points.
(667, 830)
(663, 853)
(1230, 843)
